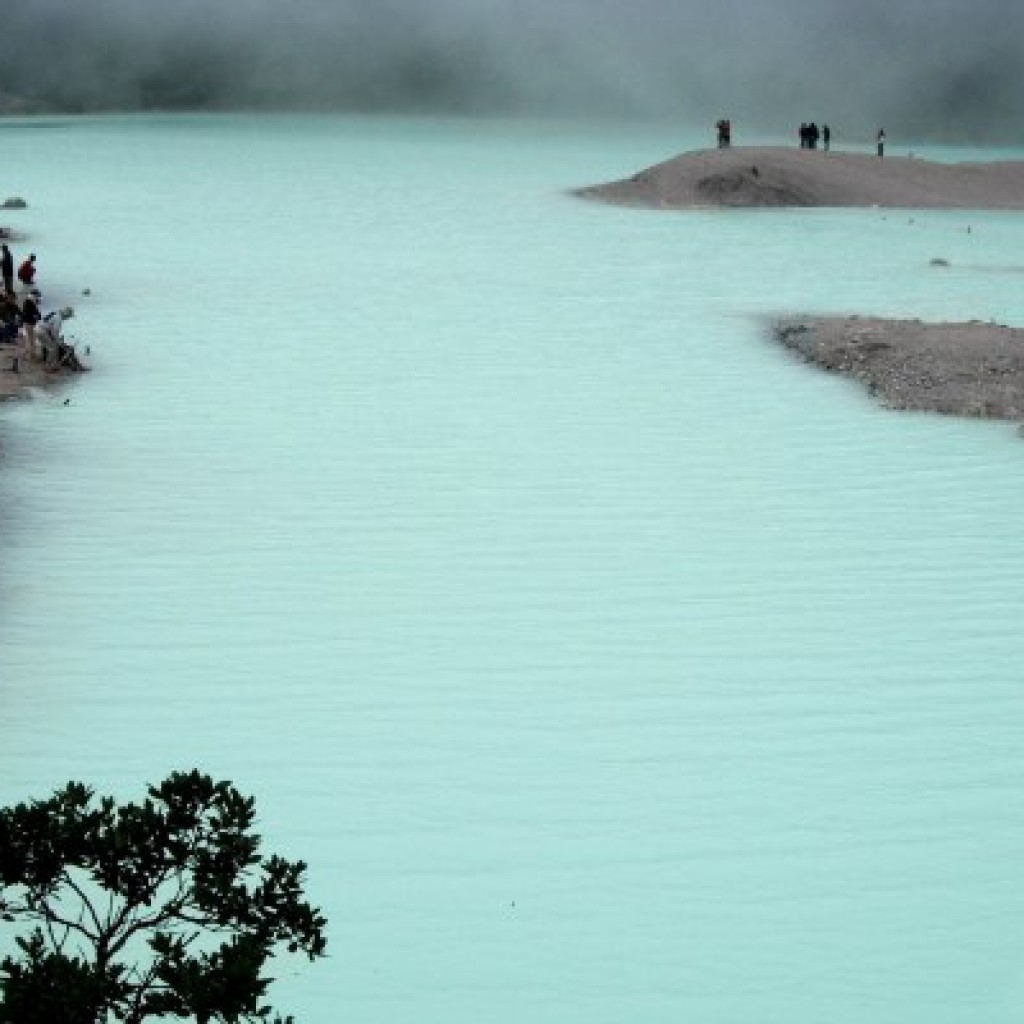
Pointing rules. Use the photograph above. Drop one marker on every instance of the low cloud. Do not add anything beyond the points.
(923, 69)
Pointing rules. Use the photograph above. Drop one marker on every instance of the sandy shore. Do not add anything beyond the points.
(31, 375)
(758, 176)
(966, 369)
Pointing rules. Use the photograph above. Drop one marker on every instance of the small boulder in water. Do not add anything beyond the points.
(938, 261)
(14, 203)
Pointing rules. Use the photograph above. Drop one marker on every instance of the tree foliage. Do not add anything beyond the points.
(156, 909)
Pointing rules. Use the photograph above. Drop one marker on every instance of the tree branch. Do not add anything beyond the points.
(86, 902)
(49, 914)
(135, 1015)
(57, 944)
(171, 911)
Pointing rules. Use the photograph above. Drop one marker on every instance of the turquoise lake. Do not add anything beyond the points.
(604, 663)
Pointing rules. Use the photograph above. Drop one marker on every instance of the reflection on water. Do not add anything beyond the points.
(1005, 268)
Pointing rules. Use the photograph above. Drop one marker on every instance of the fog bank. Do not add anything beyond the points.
(923, 69)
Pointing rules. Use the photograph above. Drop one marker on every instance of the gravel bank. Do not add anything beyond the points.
(958, 369)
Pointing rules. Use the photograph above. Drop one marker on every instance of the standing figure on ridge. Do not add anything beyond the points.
(10, 318)
(30, 316)
(881, 141)
(9, 310)
(7, 268)
(826, 136)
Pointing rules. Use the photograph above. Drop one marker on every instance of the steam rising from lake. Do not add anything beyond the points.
(936, 68)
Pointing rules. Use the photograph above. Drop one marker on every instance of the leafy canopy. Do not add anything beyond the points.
(156, 909)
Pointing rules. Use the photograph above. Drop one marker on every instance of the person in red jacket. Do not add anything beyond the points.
(27, 271)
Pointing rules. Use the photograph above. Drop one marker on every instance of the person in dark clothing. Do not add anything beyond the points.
(880, 139)
(826, 136)
(7, 267)
(9, 312)
(803, 134)
(812, 135)
(30, 316)
(30, 306)
(10, 318)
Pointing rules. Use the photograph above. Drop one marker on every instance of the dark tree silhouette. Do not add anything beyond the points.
(164, 908)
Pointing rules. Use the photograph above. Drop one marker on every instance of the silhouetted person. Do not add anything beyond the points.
(881, 141)
(812, 135)
(803, 134)
(7, 267)
(10, 318)
(30, 316)
(8, 332)
(826, 137)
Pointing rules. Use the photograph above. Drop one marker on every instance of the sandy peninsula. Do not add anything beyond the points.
(765, 176)
(962, 369)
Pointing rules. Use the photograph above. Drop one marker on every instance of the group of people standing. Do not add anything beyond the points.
(20, 313)
(811, 135)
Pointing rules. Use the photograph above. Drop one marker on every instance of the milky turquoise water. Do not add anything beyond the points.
(603, 663)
